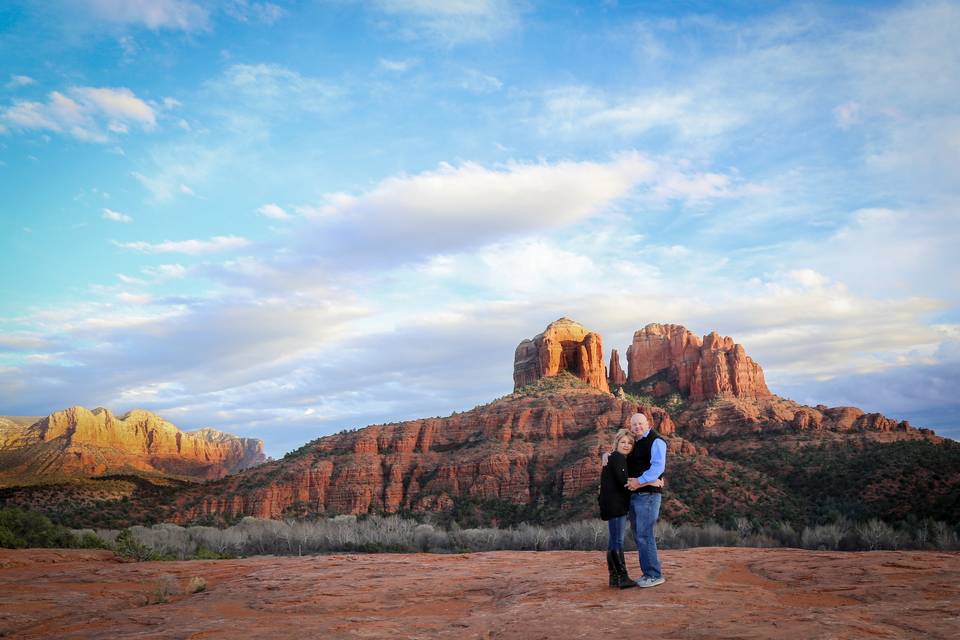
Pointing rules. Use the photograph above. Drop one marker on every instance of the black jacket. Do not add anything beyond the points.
(614, 497)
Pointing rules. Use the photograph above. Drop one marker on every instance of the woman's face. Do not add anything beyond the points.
(625, 445)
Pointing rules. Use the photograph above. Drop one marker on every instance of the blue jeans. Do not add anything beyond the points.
(644, 511)
(616, 528)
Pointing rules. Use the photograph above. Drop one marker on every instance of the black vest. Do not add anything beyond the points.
(639, 460)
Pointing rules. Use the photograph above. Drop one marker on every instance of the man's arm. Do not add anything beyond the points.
(658, 462)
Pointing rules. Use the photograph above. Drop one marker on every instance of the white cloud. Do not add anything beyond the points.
(398, 66)
(19, 81)
(274, 211)
(83, 113)
(119, 104)
(129, 280)
(134, 298)
(479, 82)
(577, 109)
(116, 216)
(184, 15)
(847, 114)
(217, 244)
(451, 21)
(247, 11)
(273, 89)
(167, 271)
(455, 206)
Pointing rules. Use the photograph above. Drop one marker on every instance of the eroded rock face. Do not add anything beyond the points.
(617, 374)
(564, 345)
(698, 368)
(79, 442)
(518, 449)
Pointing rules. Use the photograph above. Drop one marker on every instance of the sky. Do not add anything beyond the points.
(285, 219)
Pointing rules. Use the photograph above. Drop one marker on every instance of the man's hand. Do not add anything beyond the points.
(604, 458)
(632, 484)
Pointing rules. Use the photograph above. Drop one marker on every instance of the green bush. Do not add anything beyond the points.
(25, 529)
(127, 547)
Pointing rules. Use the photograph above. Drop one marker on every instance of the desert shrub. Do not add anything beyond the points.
(826, 537)
(877, 534)
(252, 536)
(126, 546)
(944, 538)
(783, 534)
(24, 529)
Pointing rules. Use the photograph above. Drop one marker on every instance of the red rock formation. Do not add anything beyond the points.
(564, 345)
(617, 375)
(78, 442)
(519, 449)
(699, 369)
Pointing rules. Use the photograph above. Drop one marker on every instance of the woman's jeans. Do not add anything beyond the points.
(644, 511)
(616, 527)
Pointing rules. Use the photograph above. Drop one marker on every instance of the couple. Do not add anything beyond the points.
(631, 483)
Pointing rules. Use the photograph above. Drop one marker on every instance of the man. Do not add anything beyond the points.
(646, 463)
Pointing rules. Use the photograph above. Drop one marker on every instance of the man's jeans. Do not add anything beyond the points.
(644, 511)
(615, 530)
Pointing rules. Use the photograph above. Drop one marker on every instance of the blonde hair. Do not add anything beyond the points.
(623, 433)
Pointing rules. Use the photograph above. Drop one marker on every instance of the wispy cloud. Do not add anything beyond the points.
(116, 216)
(274, 211)
(398, 66)
(182, 15)
(86, 113)
(19, 81)
(217, 244)
(450, 22)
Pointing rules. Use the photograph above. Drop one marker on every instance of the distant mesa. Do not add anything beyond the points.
(78, 442)
(564, 345)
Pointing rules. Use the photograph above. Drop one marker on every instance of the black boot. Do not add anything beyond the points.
(623, 579)
(612, 568)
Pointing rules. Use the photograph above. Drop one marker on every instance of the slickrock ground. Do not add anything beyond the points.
(710, 593)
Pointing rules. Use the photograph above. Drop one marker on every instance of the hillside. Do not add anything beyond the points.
(78, 443)
(735, 450)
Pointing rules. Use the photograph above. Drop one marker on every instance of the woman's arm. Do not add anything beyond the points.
(656, 483)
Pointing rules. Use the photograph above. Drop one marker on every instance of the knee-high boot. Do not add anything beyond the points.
(612, 568)
(623, 579)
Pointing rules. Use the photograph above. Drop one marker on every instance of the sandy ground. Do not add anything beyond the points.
(709, 593)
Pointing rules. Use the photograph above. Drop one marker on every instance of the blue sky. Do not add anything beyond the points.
(286, 219)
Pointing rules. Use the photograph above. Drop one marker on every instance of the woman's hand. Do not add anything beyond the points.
(657, 483)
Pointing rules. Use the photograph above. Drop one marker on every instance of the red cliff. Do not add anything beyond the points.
(671, 358)
(79, 442)
(564, 345)
(522, 449)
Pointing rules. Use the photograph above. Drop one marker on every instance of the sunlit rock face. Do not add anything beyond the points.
(617, 375)
(80, 442)
(564, 345)
(697, 368)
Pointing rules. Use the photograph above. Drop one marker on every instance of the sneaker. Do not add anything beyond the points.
(647, 581)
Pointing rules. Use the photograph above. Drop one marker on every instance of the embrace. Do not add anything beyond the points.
(631, 484)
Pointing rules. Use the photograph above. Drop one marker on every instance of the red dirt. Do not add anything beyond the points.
(709, 593)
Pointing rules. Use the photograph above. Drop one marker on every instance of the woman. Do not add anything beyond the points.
(615, 504)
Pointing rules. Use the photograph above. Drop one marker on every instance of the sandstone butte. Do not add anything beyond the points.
(564, 345)
(542, 443)
(699, 369)
(79, 442)
(709, 593)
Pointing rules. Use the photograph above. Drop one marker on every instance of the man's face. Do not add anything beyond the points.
(639, 425)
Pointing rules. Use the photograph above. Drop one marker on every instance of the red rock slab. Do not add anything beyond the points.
(709, 593)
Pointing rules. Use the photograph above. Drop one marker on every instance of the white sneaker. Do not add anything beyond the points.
(646, 581)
